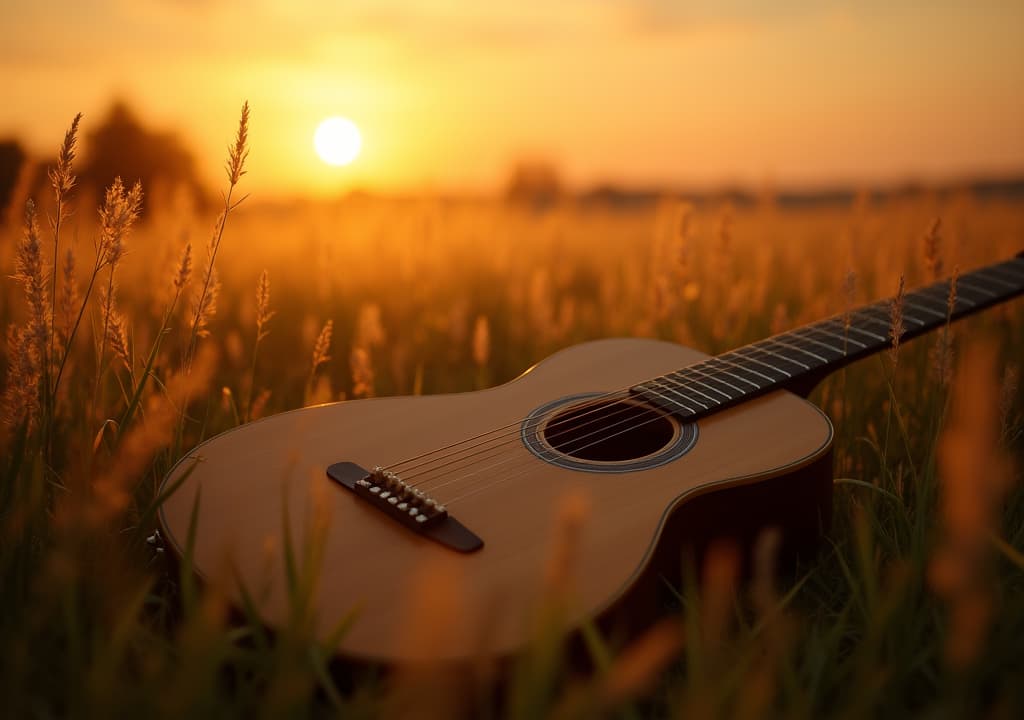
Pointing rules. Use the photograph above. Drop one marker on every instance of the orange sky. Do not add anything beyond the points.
(449, 94)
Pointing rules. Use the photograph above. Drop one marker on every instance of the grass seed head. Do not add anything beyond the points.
(896, 321)
(184, 268)
(30, 272)
(61, 176)
(322, 347)
(119, 212)
(21, 397)
(263, 311)
(238, 152)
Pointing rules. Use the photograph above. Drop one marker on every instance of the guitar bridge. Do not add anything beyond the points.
(410, 506)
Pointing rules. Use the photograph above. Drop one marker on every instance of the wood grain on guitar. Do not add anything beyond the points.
(666, 445)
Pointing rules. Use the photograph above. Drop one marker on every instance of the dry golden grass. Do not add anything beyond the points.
(375, 297)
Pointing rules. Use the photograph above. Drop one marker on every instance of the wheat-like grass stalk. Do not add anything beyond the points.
(203, 305)
(263, 316)
(322, 347)
(62, 179)
(896, 327)
(942, 352)
(117, 335)
(204, 301)
(321, 355)
(29, 271)
(183, 270)
(68, 298)
(119, 212)
(21, 394)
(26, 384)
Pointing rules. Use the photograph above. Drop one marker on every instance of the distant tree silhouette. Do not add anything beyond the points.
(533, 183)
(122, 146)
(12, 160)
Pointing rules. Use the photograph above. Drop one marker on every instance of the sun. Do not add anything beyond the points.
(337, 141)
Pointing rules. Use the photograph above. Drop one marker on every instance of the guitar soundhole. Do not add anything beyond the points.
(584, 432)
(609, 431)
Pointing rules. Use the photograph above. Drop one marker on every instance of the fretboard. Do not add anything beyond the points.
(801, 357)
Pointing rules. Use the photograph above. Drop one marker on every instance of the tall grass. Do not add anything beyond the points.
(915, 605)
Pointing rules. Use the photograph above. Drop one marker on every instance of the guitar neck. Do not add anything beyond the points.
(800, 358)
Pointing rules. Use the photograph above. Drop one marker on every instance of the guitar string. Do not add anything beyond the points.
(599, 401)
(668, 387)
(527, 461)
(674, 388)
(666, 381)
(528, 464)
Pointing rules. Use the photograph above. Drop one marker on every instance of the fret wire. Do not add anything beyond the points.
(670, 400)
(740, 368)
(762, 347)
(676, 388)
(983, 291)
(924, 308)
(680, 392)
(845, 337)
(679, 376)
(799, 349)
(961, 286)
(796, 334)
(886, 323)
(737, 377)
(1007, 270)
(914, 318)
(714, 390)
(933, 304)
(709, 387)
(696, 368)
(997, 279)
(764, 363)
(960, 297)
(862, 331)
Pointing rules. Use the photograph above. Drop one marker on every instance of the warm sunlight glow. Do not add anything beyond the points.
(337, 141)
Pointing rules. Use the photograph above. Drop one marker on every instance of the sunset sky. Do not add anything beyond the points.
(448, 95)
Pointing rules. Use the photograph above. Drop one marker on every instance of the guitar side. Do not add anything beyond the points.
(767, 461)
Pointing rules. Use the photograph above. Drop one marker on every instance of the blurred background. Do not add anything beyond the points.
(635, 96)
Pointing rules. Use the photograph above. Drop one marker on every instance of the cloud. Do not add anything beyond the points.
(663, 16)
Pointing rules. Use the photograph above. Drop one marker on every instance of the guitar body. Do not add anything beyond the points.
(763, 462)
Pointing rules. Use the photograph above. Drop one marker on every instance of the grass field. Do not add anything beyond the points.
(915, 605)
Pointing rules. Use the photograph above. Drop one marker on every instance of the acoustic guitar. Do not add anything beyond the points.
(665, 444)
